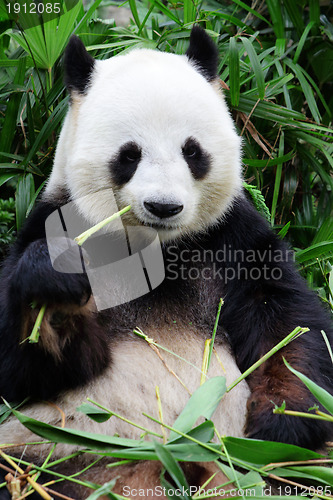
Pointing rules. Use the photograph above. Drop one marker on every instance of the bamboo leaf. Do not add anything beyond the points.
(274, 8)
(254, 12)
(202, 403)
(106, 489)
(5, 178)
(321, 394)
(134, 12)
(307, 90)
(302, 41)
(277, 182)
(173, 468)
(264, 452)
(54, 119)
(9, 124)
(314, 251)
(295, 15)
(234, 76)
(24, 193)
(255, 64)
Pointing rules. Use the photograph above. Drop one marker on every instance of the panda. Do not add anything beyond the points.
(152, 130)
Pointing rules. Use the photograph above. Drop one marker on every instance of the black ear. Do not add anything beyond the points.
(78, 64)
(203, 53)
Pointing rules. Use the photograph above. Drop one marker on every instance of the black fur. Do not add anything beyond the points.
(125, 163)
(257, 313)
(79, 66)
(197, 159)
(203, 53)
(27, 276)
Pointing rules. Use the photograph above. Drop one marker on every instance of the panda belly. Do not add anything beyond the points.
(127, 388)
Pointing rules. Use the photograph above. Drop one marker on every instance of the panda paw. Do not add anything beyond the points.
(35, 281)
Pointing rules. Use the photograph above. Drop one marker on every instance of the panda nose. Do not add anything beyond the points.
(163, 210)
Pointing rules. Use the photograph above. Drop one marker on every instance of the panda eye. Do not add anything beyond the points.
(191, 150)
(130, 153)
(197, 159)
(124, 164)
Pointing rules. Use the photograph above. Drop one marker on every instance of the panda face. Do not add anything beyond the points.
(153, 131)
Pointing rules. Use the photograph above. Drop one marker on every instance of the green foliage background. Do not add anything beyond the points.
(276, 68)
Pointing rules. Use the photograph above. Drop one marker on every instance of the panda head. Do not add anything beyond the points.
(153, 130)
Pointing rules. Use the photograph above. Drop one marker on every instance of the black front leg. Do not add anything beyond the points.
(72, 347)
(264, 302)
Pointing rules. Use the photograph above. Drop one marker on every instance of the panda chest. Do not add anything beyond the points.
(168, 360)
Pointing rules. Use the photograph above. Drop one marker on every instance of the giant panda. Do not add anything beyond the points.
(152, 130)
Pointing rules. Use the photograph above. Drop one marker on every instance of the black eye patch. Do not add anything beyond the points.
(196, 158)
(125, 163)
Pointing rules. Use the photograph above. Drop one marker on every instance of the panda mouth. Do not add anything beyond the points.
(165, 225)
(160, 225)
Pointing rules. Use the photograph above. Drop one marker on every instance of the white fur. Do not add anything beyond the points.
(128, 388)
(157, 100)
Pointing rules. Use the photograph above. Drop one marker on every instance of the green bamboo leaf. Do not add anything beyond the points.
(12, 166)
(302, 41)
(30, 120)
(319, 93)
(34, 44)
(203, 433)
(9, 124)
(235, 22)
(282, 233)
(34, 197)
(192, 452)
(253, 11)
(263, 452)
(57, 32)
(277, 182)
(321, 394)
(9, 63)
(106, 489)
(49, 126)
(307, 90)
(281, 73)
(12, 156)
(24, 193)
(274, 86)
(234, 76)
(314, 14)
(173, 468)
(95, 413)
(190, 10)
(168, 12)
(255, 64)
(87, 16)
(275, 11)
(280, 47)
(5, 410)
(115, 446)
(312, 473)
(202, 403)
(269, 162)
(134, 12)
(314, 252)
(71, 436)
(275, 113)
(325, 232)
(5, 178)
(295, 15)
